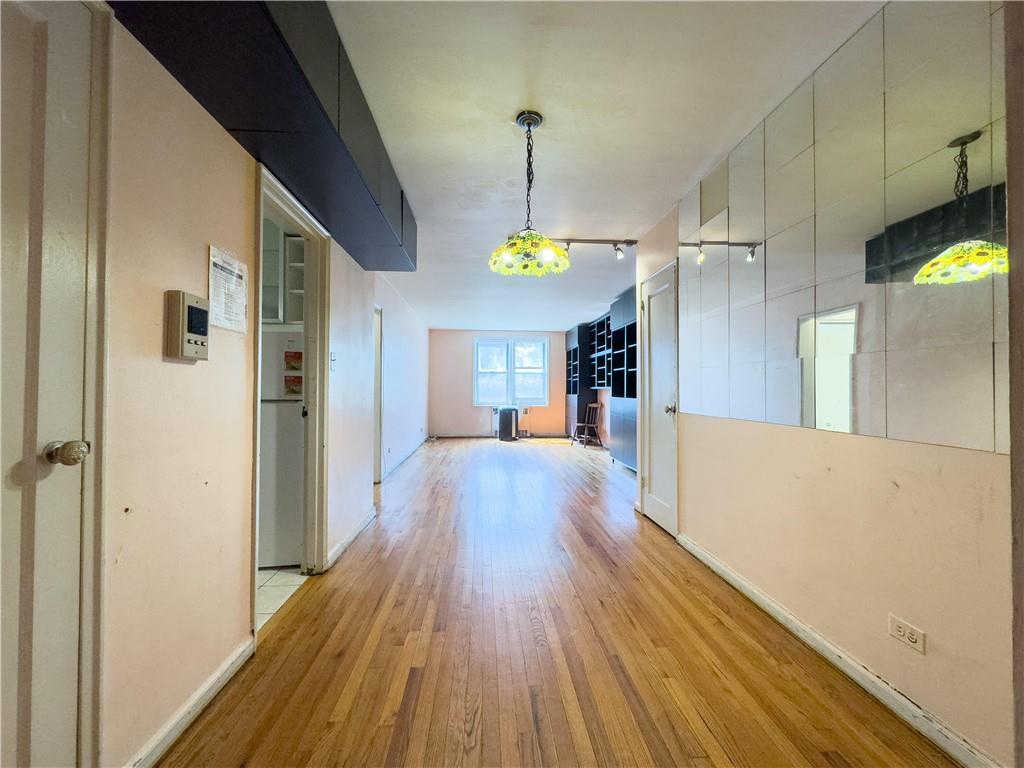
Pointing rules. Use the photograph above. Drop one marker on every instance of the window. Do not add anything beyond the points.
(510, 371)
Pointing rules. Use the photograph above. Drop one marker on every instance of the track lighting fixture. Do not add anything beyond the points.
(699, 245)
(619, 253)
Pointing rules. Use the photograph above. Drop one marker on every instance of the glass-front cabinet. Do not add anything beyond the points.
(284, 264)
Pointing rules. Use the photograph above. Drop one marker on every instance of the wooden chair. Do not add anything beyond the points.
(587, 431)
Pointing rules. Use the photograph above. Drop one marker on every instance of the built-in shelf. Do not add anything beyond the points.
(600, 351)
(602, 355)
(572, 371)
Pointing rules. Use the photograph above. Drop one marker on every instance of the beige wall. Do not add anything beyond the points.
(844, 529)
(406, 356)
(178, 461)
(451, 410)
(350, 401)
(657, 248)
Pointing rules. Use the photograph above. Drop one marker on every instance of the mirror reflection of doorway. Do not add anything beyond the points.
(832, 335)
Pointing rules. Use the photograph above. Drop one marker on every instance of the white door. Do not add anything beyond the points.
(46, 65)
(658, 295)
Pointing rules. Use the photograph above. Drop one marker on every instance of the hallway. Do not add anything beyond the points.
(509, 607)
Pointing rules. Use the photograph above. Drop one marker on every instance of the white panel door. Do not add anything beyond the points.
(46, 73)
(658, 295)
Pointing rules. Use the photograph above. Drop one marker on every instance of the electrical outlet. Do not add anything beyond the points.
(907, 633)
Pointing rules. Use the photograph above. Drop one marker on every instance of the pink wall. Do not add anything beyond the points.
(406, 356)
(178, 449)
(844, 529)
(451, 410)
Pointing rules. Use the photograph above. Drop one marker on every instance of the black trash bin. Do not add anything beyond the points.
(508, 424)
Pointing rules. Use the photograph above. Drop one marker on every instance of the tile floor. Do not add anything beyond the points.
(273, 588)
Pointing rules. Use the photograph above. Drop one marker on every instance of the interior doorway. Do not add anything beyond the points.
(289, 524)
(660, 398)
(378, 393)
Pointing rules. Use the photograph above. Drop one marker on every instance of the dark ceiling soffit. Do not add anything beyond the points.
(231, 57)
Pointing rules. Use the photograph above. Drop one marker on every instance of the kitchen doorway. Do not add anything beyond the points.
(289, 511)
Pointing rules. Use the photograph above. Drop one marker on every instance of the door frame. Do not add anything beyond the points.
(643, 391)
(315, 369)
(95, 399)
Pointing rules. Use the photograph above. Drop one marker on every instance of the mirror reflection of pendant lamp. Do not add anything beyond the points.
(967, 260)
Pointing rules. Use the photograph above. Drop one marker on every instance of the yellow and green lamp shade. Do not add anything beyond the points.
(965, 262)
(528, 252)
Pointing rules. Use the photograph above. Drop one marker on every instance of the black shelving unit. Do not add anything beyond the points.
(623, 356)
(600, 352)
(600, 355)
(631, 360)
(572, 371)
(579, 372)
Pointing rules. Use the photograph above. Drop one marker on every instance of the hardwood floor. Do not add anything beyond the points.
(508, 607)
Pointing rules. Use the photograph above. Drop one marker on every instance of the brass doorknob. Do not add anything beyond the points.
(67, 453)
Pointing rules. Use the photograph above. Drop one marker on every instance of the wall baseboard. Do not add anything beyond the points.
(922, 721)
(341, 546)
(196, 703)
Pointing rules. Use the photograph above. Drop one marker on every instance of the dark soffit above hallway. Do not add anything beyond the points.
(233, 58)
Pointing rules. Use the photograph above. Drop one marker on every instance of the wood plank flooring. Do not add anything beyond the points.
(508, 607)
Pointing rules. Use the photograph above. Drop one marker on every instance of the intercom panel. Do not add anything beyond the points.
(186, 326)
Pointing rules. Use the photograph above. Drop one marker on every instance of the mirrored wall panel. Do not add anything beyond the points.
(856, 279)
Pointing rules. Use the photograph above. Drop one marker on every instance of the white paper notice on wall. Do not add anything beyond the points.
(229, 291)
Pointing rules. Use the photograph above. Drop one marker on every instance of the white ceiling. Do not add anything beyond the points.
(640, 101)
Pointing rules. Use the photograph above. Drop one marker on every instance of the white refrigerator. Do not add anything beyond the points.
(282, 448)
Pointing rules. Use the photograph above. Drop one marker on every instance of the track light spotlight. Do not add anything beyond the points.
(700, 255)
(619, 253)
(751, 255)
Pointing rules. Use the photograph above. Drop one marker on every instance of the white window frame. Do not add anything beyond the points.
(510, 371)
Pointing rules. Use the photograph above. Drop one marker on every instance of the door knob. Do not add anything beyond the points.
(670, 409)
(67, 453)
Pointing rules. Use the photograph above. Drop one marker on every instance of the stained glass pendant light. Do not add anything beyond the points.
(965, 262)
(968, 260)
(528, 252)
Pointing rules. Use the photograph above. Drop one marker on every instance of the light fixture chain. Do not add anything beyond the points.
(529, 174)
(960, 185)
